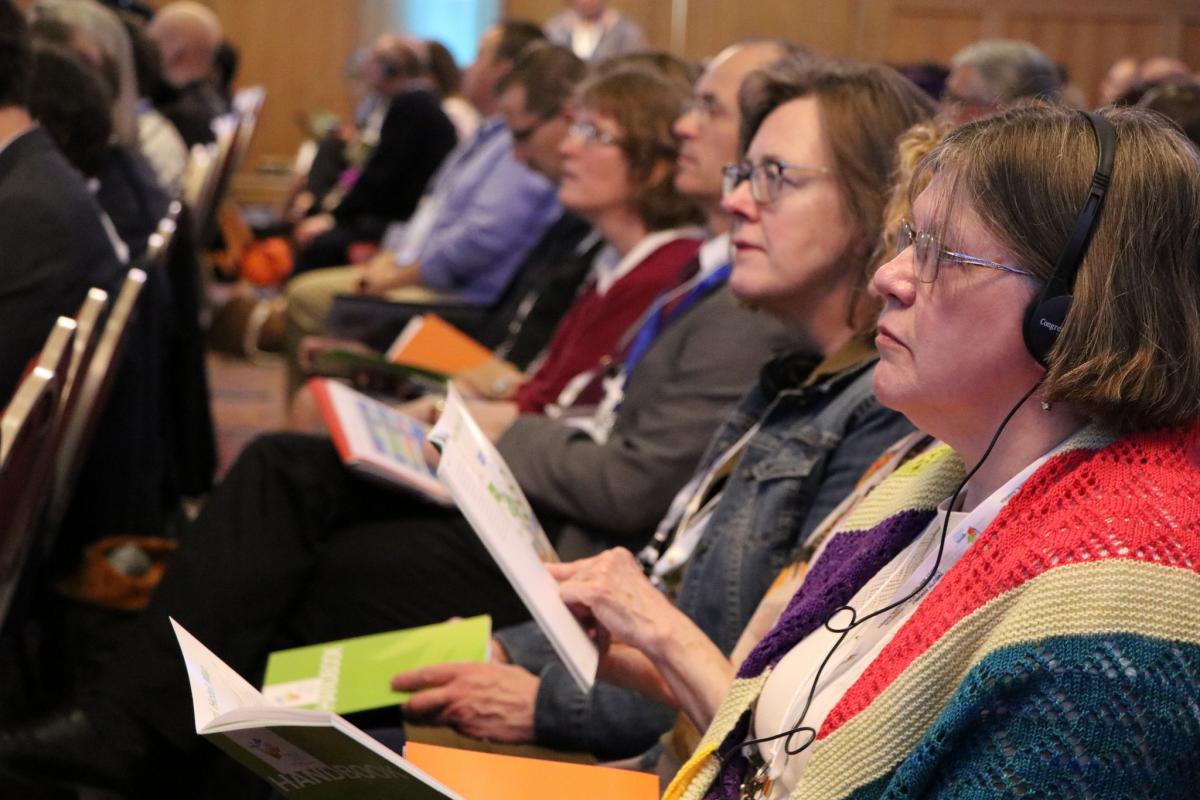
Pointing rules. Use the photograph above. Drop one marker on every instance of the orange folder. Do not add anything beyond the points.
(487, 776)
(430, 343)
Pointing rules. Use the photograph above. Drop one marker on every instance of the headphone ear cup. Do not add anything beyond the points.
(1043, 321)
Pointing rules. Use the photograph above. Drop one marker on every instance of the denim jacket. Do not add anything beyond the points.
(815, 439)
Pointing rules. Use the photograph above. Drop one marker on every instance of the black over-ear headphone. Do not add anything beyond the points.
(1046, 314)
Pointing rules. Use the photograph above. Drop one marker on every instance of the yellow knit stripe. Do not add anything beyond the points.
(1076, 600)
(919, 484)
(698, 772)
(694, 777)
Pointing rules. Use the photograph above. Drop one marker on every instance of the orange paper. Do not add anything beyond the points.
(437, 346)
(487, 776)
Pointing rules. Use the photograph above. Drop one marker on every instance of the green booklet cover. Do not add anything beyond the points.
(355, 674)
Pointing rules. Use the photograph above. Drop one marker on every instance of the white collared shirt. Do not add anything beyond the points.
(610, 266)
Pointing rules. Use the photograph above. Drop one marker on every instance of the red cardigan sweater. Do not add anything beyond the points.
(592, 328)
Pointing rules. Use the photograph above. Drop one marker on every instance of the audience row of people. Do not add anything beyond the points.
(904, 440)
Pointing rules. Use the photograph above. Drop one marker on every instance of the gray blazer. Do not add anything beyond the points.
(625, 36)
(592, 496)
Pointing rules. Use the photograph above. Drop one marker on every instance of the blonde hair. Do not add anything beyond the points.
(1129, 352)
(912, 146)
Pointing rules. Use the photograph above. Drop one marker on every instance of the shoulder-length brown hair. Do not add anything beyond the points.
(645, 106)
(1128, 355)
(864, 108)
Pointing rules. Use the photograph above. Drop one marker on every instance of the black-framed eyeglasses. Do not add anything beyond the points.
(590, 134)
(930, 255)
(767, 178)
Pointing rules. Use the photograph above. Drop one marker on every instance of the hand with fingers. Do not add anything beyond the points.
(646, 643)
(489, 701)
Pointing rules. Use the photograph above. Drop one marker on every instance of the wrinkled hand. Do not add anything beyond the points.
(488, 701)
(613, 598)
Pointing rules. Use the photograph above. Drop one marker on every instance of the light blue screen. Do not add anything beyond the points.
(458, 24)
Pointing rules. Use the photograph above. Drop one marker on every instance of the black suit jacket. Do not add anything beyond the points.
(415, 138)
(52, 249)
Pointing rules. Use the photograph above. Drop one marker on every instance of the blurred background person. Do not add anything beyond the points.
(448, 79)
(594, 31)
(990, 74)
(188, 35)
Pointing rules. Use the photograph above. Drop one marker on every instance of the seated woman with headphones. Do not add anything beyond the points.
(1011, 612)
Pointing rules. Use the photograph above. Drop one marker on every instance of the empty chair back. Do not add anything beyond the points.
(28, 440)
(248, 104)
(218, 178)
(92, 392)
(158, 248)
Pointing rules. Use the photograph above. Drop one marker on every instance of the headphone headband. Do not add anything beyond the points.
(1045, 316)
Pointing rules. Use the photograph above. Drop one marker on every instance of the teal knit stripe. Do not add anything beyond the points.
(1105, 716)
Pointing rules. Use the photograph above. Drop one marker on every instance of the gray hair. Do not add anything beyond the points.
(104, 28)
(1011, 69)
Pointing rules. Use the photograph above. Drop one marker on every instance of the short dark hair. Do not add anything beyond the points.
(15, 56)
(515, 36)
(443, 68)
(147, 60)
(549, 74)
(69, 100)
(1179, 101)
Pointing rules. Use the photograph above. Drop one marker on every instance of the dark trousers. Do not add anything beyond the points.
(293, 549)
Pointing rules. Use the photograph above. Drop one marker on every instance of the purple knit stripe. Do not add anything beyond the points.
(849, 561)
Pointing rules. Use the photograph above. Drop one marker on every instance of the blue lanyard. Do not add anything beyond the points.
(656, 320)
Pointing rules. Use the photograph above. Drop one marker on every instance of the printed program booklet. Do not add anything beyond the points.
(377, 440)
(488, 496)
(308, 755)
(355, 674)
(431, 344)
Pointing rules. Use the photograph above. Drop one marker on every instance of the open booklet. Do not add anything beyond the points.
(488, 496)
(352, 675)
(309, 755)
(377, 440)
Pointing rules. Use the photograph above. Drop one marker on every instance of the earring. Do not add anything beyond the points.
(1045, 405)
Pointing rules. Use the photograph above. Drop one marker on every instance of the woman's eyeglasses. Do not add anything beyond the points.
(767, 178)
(930, 255)
(588, 133)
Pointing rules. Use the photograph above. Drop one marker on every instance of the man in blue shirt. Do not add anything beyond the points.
(480, 217)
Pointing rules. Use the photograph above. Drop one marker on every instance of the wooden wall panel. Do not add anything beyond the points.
(298, 51)
(1088, 46)
(714, 24)
(928, 34)
(1189, 49)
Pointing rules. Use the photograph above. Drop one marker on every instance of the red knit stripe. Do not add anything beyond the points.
(1136, 499)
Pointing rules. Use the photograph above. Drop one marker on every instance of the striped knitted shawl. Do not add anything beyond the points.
(1060, 657)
